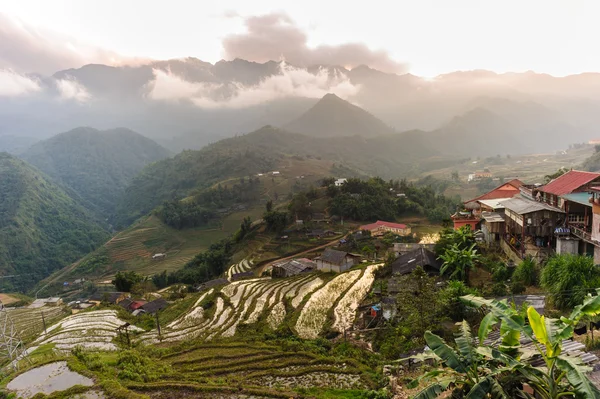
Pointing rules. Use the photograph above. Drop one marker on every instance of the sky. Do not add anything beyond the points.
(423, 37)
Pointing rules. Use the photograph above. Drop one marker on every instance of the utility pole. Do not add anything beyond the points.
(44, 321)
(158, 327)
(11, 345)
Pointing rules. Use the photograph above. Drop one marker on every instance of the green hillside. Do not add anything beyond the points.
(269, 148)
(41, 228)
(96, 165)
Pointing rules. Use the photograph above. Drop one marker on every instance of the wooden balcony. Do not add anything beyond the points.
(581, 233)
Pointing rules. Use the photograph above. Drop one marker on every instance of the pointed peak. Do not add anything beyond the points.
(331, 96)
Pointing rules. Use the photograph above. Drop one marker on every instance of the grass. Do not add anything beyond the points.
(11, 299)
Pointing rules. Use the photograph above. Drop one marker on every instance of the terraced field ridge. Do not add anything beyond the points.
(254, 369)
(241, 267)
(29, 322)
(305, 300)
(95, 330)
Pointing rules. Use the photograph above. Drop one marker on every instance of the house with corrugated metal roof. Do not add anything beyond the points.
(332, 260)
(293, 267)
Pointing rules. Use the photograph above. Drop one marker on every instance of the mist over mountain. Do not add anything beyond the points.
(188, 103)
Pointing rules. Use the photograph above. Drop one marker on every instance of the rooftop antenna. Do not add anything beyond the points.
(11, 344)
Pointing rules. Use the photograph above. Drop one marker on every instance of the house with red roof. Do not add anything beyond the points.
(506, 190)
(381, 227)
(574, 181)
(489, 203)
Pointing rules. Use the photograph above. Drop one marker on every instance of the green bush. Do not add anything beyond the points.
(517, 287)
(569, 278)
(526, 272)
(90, 359)
(134, 366)
(500, 273)
(452, 306)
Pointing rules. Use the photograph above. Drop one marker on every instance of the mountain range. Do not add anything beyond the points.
(189, 103)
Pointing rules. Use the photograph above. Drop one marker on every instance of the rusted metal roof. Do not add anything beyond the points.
(569, 182)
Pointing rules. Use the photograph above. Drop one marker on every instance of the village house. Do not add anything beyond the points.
(54, 301)
(332, 260)
(401, 248)
(406, 263)
(479, 176)
(489, 202)
(571, 192)
(530, 227)
(380, 227)
(242, 275)
(594, 236)
(340, 182)
(154, 306)
(293, 267)
(319, 233)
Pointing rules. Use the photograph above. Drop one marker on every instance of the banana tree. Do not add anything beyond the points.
(561, 375)
(471, 371)
(458, 261)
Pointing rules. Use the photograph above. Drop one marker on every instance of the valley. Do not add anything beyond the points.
(293, 248)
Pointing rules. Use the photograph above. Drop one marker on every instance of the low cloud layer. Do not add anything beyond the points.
(13, 84)
(27, 49)
(71, 89)
(275, 36)
(291, 82)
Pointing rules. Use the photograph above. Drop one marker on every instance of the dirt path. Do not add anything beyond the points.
(329, 244)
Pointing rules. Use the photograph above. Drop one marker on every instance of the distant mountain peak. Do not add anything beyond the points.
(333, 116)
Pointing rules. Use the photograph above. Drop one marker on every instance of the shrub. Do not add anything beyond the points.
(568, 278)
(452, 306)
(91, 360)
(526, 272)
(134, 366)
(517, 287)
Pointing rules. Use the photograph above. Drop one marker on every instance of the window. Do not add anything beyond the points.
(576, 218)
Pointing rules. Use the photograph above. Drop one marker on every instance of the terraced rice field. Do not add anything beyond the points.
(30, 322)
(241, 267)
(133, 248)
(93, 330)
(273, 301)
(241, 302)
(259, 368)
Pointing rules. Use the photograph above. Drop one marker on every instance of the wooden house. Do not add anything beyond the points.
(332, 260)
(293, 267)
(530, 227)
(408, 262)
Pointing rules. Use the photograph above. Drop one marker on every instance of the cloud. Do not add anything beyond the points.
(28, 49)
(13, 84)
(71, 89)
(291, 82)
(275, 36)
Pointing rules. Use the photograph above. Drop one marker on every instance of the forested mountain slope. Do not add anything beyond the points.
(394, 155)
(97, 165)
(41, 228)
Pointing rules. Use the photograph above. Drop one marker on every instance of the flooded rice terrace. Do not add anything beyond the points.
(50, 378)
